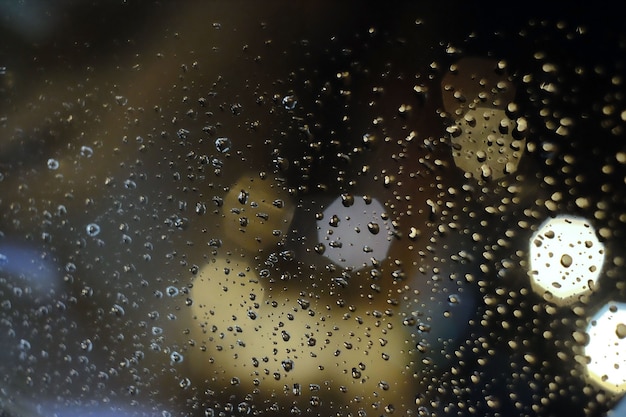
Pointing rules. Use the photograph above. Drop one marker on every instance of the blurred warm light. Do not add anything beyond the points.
(606, 349)
(354, 230)
(476, 94)
(483, 143)
(566, 258)
(256, 213)
(251, 336)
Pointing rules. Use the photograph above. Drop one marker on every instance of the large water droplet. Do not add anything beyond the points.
(53, 164)
(223, 145)
(93, 229)
(290, 102)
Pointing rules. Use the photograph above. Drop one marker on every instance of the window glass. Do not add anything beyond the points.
(318, 208)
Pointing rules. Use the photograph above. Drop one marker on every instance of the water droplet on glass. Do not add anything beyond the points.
(290, 102)
(86, 151)
(566, 260)
(287, 365)
(176, 357)
(121, 100)
(244, 408)
(454, 299)
(171, 291)
(53, 164)
(347, 200)
(184, 383)
(118, 310)
(373, 228)
(223, 144)
(24, 345)
(86, 345)
(320, 248)
(93, 229)
(243, 197)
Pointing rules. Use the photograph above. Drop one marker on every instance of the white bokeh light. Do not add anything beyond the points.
(354, 234)
(566, 258)
(606, 349)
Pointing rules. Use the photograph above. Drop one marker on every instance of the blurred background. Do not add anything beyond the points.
(245, 208)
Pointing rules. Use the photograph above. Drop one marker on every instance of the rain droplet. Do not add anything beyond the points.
(176, 357)
(121, 100)
(620, 330)
(86, 345)
(86, 151)
(24, 345)
(347, 200)
(287, 365)
(93, 229)
(373, 228)
(566, 260)
(243, 197)
(118, 310)
(485, 171)
(184, 383)
(290, 102)
(53, 164)
(244, 408)
(223, 144)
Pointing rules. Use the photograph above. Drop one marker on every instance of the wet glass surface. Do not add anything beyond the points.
(242, 208)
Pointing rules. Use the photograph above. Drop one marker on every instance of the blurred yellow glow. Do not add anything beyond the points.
(607, 347)
(257, 338)
(256, 213)
(566, 258)
(483, 143)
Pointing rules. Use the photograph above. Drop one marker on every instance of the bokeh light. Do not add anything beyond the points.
(354, 230)
(256, 214)
(566, 259)
(607, 347)
(483, 143)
